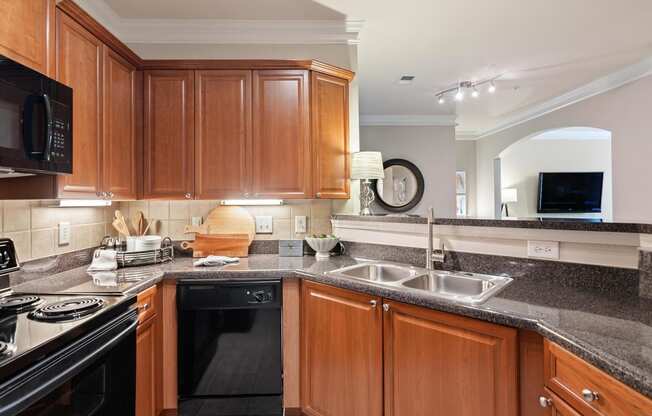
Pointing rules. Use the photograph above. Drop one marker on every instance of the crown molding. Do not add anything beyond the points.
(408, 120)
(599, 86)
(216, 31)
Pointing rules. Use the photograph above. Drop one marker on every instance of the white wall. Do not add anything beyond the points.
(522, 162)
(625, 112)
(465, 155)
(431, 149)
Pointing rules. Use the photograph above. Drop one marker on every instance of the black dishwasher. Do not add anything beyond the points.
(229, 348)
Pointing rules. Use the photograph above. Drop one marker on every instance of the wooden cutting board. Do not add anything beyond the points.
(226, 220)
(232, 245)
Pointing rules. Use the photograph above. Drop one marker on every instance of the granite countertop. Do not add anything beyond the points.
(531, 223)
(610, 331)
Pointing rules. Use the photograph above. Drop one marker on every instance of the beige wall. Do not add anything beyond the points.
(625, 112)
(466, 161)
(431, 149)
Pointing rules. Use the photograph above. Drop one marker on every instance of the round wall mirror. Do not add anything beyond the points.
(402, 188)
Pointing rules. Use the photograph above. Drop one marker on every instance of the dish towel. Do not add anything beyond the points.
(103, 261)
(105, 279)
(211, 261)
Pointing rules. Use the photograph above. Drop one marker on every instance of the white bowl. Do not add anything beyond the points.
(143, 243)
(322, 246)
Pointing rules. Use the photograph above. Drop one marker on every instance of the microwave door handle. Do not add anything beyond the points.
(47, 152)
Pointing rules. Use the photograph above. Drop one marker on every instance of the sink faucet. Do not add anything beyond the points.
(432, 255)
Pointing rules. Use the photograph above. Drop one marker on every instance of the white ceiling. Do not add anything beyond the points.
(543, 49)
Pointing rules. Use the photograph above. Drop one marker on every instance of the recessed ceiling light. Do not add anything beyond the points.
(406, 79)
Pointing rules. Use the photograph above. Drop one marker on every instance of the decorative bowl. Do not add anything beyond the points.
(322, 245)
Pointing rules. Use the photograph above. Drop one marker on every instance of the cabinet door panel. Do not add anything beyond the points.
(281, 143)
(330, 136)
(341, 354)
(119, 150)
(25, 32)
(146, 369)
(443, 364)
(79, 65)
(223, 135)
(169, 134)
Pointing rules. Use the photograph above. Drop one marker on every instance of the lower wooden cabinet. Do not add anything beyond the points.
(434, 363)
(341, 352)
(554, 406)
(148, 361)
(443, 364)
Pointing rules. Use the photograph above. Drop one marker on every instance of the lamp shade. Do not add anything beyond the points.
(367, 165)
(509, 195)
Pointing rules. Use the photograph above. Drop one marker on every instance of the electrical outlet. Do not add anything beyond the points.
(543, 249)
(196, 221)
(64, 233)
(300, 222)
(264, 224)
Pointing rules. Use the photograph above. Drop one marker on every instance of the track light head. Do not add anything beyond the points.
(475, 93)
(440, 99)
(459, 95)
(492, 87)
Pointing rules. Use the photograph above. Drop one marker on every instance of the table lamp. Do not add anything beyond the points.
(366, 166)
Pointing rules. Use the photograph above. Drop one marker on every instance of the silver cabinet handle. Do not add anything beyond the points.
(373, 303)
(188, 195)
(386, 307)
(590, 395)
(544, 401)
(144, 307)
(246, 194)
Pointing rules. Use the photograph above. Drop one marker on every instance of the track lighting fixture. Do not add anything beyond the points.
(459, 89)
(492, 87)
(459, 95)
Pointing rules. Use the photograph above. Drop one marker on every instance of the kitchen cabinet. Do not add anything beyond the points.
(440, 363)
(148, 361)
(341, 352)
(169, 135)
(119, 149)
(433, 362)
(554, 406)
(573, 383)
(223, 133)
(79, 65)
(329, 110)
(27, 33)
(281, 150)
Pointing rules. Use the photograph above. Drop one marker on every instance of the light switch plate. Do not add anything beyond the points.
(264, 224)
(543, 249)
(300, 222)
(64, 233)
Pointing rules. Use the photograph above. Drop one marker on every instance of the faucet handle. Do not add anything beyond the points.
(431, 215)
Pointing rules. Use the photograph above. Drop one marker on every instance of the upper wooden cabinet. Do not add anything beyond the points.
(79, 65)
(222, 134)
(119, 150)
(443, 364)
(27, 33)
(281, 141)
(341, 352)
(330, 136)
(169, 138)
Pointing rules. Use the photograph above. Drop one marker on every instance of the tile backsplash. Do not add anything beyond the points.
(172, 216)
(33, 225)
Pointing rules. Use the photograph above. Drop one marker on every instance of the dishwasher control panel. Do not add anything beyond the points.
(228, 295)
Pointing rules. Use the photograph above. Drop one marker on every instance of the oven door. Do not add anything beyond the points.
(94, 376)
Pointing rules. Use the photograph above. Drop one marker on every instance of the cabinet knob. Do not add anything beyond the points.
(188, 195)
(544, 401)
(386, 307)
(318, 195)
(373, 303)
(590, 395)
(246, 194)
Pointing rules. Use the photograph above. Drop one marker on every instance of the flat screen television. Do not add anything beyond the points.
(570, 192)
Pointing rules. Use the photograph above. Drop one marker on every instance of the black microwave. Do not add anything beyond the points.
(35, 122)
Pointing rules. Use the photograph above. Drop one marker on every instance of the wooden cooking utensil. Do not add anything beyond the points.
(233, 245)
(125, 226)
(121, 227)
(138, 223)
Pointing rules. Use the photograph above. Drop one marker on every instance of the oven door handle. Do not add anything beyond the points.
(24, 390)
(29, 132)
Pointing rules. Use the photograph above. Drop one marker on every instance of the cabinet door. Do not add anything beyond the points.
(557, 406)
(442, 364)
(223, 135)
(119, 145)
(330, 136)
(79, 65)
(169, 135)
(26, 32)
(341, 352)
(281, 142)
(146, 369)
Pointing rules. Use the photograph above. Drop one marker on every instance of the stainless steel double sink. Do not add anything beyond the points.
(461, 287)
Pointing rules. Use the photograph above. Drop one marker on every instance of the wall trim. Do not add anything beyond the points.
(408, 120)
(220, 31)
(598, 86)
